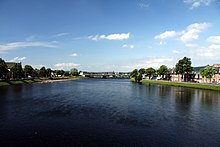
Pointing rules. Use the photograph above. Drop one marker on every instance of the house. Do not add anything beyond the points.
(9, 67)
(216, 77)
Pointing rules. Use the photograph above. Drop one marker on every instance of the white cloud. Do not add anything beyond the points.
(162, 43)
(214, 39)
(128, 46)
(65, 65)
(192, 31)
(73, 55)
(60, 34)
(143, 5)
(15, 45)
(18, 59)
(191, 45)
(122, 36)
(176, 51)
(197, 3)
(166, 34)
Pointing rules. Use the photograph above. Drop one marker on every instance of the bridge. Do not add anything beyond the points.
(105, 74)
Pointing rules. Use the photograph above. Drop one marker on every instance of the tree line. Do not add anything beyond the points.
(17, 72)
(183, 67)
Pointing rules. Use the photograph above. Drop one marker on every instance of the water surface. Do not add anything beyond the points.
(108, 112)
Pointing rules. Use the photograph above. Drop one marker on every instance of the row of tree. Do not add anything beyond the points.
(183, 67)
(17, 72)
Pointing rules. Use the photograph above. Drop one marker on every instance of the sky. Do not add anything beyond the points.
(109, 35)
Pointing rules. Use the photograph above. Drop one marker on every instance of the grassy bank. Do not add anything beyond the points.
(17, 82)
(183, 84)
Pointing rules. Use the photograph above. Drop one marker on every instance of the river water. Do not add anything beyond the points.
(108, 112)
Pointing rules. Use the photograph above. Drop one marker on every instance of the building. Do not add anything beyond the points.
(216, 77)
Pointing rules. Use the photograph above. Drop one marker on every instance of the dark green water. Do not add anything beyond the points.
(108, 112)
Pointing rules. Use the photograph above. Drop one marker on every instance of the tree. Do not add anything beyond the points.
(17, 71)
(28, 70)
(184, 67)
(163, 70)
(207, 72)
(150, 72)
(48, 71)
(43, 72)
(36, 72)
(74, 72)
(3, 69)
(138, 78)
(142, 71)
(134, 73)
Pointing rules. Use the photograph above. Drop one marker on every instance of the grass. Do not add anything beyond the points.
(17, 82)
(183, 84)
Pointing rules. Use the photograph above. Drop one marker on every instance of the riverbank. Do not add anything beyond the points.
(40, 80)
(183, 84)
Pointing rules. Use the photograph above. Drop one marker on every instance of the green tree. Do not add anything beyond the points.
(150, 72)
(17, 71)
(142, 71)
(134, 73)
(28, 70)
(207, 72)
(74, 72)
(163, 70)
(43, 72)
(138, 78)
(184, 67)
(48, 71)
(3, 69)
(36, 72)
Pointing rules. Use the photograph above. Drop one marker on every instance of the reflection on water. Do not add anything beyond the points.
(108, 112)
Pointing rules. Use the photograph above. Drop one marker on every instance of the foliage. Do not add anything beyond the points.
(138, 78)
(134, 73)
(184, 67)
(207, 72)
(49, 71)
(43, 72)
(59, 72)
(163, 70)
(142, 71)
(28, 70)
(74, 72)
(17, 71)
(3, 69)
(150, 72)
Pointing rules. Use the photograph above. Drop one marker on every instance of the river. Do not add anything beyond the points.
(108, 112)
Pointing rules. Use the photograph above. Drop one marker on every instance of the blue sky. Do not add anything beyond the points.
(110, 35)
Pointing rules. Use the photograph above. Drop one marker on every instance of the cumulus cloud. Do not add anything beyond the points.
(65, 65)
(166, 34)
(73, 55)
(128, 46)
(15, 45)
(214, 39)
(192, 31)
(197, 3)
(18, 59)
(122, 36)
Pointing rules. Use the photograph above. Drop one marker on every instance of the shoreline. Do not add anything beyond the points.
(37, 80)
(183, 84)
